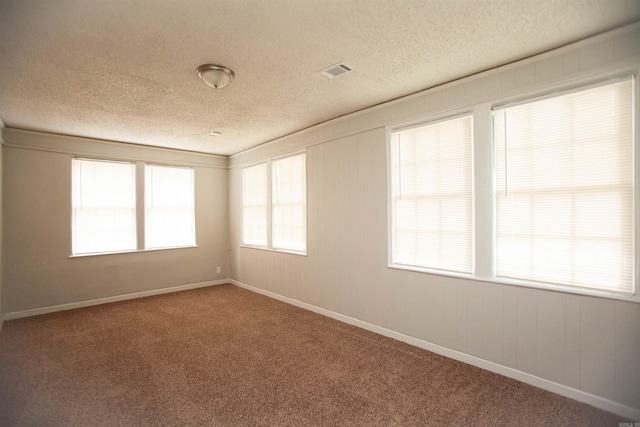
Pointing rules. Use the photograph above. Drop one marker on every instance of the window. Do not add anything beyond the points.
(274, 204)
(431, 197)
(104, 206)
(170, 216)
(288, 203)
(550, 203)
(564, 189)
(254, 205)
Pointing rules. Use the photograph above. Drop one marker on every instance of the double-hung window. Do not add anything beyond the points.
(104, 206)
(274, 204)
(170, 210)
(431, 196)
(289, 203)
(255, 205)
(564, 193)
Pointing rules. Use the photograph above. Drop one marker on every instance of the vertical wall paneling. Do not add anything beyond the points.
(492, 321)
(572, 341)
(510, 327)
(462, 317)
(475, 319)
(597, 346)
(584, 343)
(626, 46)
(550, 357)
(527, 323)
(627, 357)
(450, 319)
(597, 54)
(550, 68)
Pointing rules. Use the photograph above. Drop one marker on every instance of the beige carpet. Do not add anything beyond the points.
(224, 356)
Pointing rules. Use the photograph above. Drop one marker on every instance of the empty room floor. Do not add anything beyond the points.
(225, 356)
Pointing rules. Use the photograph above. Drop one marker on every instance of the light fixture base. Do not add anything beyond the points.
(215, 76)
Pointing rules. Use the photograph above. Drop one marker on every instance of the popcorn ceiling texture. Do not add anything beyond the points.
(125, 71)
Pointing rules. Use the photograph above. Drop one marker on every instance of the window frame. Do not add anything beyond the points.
(582, 289)
(483, 164)
(73, 206)
(270, 247)
(140, 205)
(391, 196)
(267, 205)
(146, 167)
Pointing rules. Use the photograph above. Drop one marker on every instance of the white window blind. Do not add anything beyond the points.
(288, 200)
(104, 206)
(254, 205)
(170, 214)
(564, 189)
(432, 224)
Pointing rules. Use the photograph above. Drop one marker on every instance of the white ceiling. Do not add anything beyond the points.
(126, 70)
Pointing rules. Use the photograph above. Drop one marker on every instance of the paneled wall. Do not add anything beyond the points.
(38, 270)
(584, 343)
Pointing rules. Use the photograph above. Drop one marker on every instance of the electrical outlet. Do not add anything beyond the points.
(218, 270)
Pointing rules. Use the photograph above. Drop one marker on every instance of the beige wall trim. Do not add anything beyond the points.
(89, 303)
(56, 143)
(563, 390)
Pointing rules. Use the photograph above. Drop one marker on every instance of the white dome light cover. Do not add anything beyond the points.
(215, 76)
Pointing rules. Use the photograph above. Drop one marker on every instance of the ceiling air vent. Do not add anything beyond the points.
(335, 71)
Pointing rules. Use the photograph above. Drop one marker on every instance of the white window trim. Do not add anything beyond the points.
(131, 252)
(484, 185)
(269, 247)
(414, 124)
(146, 212)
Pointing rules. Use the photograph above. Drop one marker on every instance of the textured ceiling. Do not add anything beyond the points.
(125, 70)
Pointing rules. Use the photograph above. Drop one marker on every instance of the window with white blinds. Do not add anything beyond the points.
(564, 197)
(274, 204)
(169, 207)
(289, 203)
(432, 197)
(254, 205)
(104, 206)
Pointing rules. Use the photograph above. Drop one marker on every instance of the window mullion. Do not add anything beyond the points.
(269, 204)
(483, 194)
(140, 205)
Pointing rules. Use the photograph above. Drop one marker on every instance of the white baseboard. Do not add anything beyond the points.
(563, 390)
(88, 303)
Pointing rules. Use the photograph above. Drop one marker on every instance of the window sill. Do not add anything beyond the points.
(284, 251)
(565, 289)
(131, 251)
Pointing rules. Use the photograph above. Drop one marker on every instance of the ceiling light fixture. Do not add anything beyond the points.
(214, 133)
(216, 76)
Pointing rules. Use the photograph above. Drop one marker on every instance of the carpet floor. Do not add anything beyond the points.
(225, 356)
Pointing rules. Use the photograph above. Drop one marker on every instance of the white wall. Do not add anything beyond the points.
(582, 343)
(38, 270)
